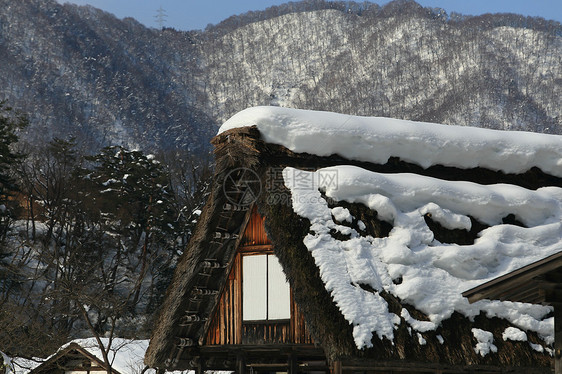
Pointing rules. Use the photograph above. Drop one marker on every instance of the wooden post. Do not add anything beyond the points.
(240, 364)
(200, 366)
(292, 366)
(336, 367)
(557, 338)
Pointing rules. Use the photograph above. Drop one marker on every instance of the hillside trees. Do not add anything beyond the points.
(10, 123)
(10, 278)
(401, 61)
(98, 242)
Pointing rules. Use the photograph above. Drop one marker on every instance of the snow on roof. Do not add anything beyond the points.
(126, 355)
(432, 275)
(376, 139)
(6, 362)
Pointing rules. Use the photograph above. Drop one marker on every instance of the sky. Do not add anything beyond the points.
(197, 14)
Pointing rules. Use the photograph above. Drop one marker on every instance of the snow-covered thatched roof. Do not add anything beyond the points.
(381, 224)
(377, 139)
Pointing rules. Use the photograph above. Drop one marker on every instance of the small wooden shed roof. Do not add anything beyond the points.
(73, 358)
(536, 283)
(539, 282)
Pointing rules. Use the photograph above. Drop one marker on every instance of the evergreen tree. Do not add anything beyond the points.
(131, 196)
(132, 192)
(10, 277)
(10, 123)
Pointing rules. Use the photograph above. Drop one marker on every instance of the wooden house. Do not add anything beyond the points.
(333, 243)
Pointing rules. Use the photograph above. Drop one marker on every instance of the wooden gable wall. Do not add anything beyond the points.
(227, 326)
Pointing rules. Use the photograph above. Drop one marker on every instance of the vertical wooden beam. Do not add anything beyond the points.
(240, 364)
(292, 365)
(336, 367)
(293, 337)
(200, 366)
(238, 300)
(557, 338)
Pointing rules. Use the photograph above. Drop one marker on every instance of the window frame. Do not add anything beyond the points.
(267, 292)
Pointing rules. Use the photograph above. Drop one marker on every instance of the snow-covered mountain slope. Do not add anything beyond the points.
(77, 70)
(402, 63)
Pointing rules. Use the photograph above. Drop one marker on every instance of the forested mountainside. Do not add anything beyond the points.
(402, 61)
(76, 70)
(79, 71)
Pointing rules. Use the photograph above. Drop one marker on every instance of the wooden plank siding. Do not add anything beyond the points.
(227, 327)
(254, 233)
(299, 331)
(266, 333)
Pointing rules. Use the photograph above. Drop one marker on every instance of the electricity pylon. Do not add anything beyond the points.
(160, 17)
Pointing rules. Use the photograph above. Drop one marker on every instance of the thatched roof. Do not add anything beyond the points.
(450, 342)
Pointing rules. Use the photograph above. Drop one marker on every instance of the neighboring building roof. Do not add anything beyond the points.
(537, 283)
(126, 357)
(72, 358)
(5, 364)
(380, 225)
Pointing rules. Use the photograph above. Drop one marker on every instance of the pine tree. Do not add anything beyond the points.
(10, 279)
(10, 123)
(131, 194)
